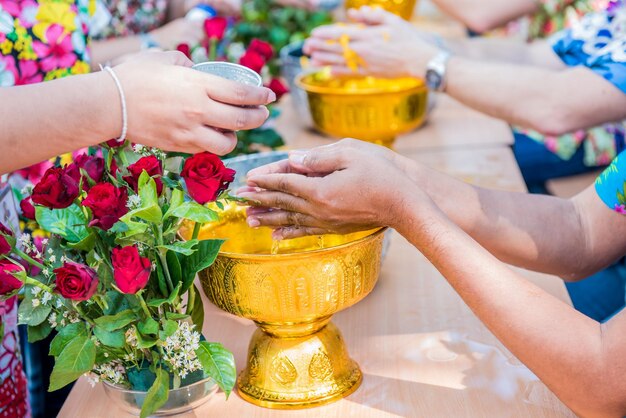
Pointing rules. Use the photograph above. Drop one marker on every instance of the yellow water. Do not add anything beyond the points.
(351, 84)
(241, 239)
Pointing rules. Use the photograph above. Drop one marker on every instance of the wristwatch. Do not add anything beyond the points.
(436, 71)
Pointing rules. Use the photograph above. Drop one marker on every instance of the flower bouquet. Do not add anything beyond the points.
(114, 279)
(253, 40)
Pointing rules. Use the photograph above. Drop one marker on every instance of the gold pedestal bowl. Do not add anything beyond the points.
(402, 8)
(297, 358)
(366, 108)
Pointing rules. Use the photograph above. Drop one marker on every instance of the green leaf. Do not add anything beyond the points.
(148, 326)
(197, 310)
(267, 137)
(219, 364)
(117, 321)
(177, 199)
(145, 342)
(176, 316)
(115, 339)
(32, 316)
(169, 328)
(116, 302)
(155, 303)
(86, 244)
(65, 335)
(39, 332)
(157, 395)
(161, 278)
(173, 264)
(76, 359)
(204, 256)
(182, 247)
(194, 212)
(70, 223)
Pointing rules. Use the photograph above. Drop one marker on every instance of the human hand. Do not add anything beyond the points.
(386, 45)
(343, 187)
(179, 109)
(178, 31)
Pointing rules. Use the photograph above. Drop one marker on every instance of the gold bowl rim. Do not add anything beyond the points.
(310, 88)
(303, 254)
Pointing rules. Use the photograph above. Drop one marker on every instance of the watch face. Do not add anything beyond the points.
(433, 80)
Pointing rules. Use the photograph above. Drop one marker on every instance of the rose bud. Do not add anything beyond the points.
(215, 28)
(8, 282)
(76, 281)
(185, 49)
(152, 165)
(107, 203)
(278, 87)
(114, 143)
(56, 190)
(93, 166)
(252, 60)
(28, 210)
(130, 270)
(5, 247)
(262, 48)
(206, 177)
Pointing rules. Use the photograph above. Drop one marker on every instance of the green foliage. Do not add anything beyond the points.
(148, 326)
(65, 335)
(197, 309)
(193, 211)
(32, 316)
(117, 321)
(219, 364)
(38, 332)
(155, 303)
(69, 223)
(115, 339)
(77, 358)
(205, 255)
(157, 395)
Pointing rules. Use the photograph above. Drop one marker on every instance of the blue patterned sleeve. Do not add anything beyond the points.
(597, 42)
(611, 184)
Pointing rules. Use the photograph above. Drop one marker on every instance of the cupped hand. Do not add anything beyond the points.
(343, 187)
(386, 45)
(178, 31)
(177, 108)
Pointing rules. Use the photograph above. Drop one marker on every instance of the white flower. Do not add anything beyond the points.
(180, 350)
(47, 296)
(138, 148)
(36, 303)
(25, 239)
(52, 319)
(35, 290)
(44, 242)
(131, 337)
(50, 250)
(52, 259)
(133, 202)
(46, 272)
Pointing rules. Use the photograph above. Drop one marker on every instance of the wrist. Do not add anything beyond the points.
(105, 107)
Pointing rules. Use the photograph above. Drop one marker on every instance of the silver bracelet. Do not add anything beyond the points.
(109, 70)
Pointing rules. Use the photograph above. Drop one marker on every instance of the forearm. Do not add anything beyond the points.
(517, 94)
(42, 121)
(483, 15)
(561, 346)
(541, 233)
(107, 50)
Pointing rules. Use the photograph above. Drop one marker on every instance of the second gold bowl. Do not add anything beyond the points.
(366, 108)
(402, 8)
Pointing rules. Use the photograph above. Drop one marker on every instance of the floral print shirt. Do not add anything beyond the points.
(611, 184)
(556, 15)
(130, 17)
(43, 40)
(597, 42)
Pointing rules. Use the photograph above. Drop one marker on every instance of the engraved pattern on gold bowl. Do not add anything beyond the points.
(348, 107)
(403, 8)
(297, 358)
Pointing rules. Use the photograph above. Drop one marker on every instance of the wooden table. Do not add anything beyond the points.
(422, 351)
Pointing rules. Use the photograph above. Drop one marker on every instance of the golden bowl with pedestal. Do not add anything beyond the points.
(367, 108)
(297, 358)
(402, 8)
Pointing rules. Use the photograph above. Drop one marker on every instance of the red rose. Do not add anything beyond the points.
(114, 143)
(34, 173)
(5, 247)
(206, 177)
(252, 60)
(8, 282)
(56, 190)
(262, 48)
(152, 165)
(278, 87)
(76, 281)
(185, 49)
(107, 203)
(28, 210)
(130, 270)
(93, 166)
(215, 28)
